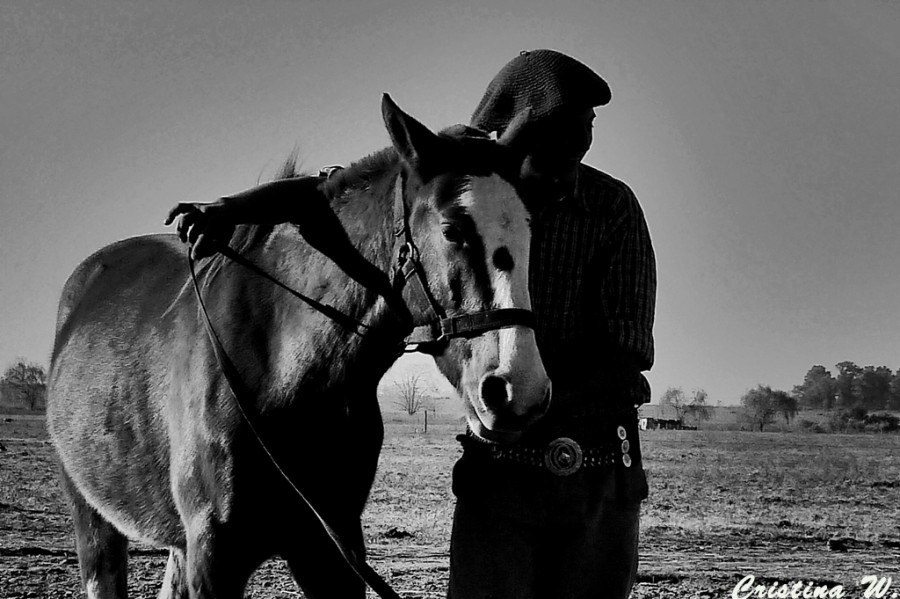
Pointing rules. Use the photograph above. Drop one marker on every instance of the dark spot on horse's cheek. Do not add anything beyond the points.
(465, 351)
(503, 260)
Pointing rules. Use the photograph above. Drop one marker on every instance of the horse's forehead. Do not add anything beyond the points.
(496, 208)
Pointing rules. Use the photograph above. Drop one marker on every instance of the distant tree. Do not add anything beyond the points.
(410, 394)
(894, 401)
(785, 405)
(674, 398)
(760, 406)
(27, 380)
(696, 407)
(872, 387)
(818, 389)
(845, 383)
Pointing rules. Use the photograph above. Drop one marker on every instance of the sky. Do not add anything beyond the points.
(761, 138)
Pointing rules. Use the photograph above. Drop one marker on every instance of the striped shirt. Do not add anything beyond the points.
(593, 290)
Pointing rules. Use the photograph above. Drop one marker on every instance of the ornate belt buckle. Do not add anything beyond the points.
(563, 456)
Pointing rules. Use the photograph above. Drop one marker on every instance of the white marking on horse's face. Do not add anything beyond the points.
(502, 221)
(511, 353)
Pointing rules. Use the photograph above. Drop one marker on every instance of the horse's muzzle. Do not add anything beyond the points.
(502, 419)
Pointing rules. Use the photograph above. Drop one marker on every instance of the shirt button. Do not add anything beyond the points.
(621, 432)
(626, 460)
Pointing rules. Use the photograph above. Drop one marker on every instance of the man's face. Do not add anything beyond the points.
(557, 145)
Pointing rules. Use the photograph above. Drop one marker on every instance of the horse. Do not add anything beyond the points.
(151, 442)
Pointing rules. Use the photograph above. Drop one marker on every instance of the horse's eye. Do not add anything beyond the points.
(451, 233)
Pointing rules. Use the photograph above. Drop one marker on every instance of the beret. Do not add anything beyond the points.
(543, 80)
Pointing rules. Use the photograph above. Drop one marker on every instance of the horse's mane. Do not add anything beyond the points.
(361, 174)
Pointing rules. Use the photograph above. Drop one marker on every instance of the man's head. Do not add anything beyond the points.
(561, 94)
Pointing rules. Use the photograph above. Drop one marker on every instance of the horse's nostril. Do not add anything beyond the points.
(493, 392)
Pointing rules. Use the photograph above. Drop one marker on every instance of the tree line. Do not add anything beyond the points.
(872, 388)
(852, 394)
(759, 406)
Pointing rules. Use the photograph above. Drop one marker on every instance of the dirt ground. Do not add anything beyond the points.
(822, 510)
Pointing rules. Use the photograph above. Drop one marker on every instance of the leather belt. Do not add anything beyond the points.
(562, 456)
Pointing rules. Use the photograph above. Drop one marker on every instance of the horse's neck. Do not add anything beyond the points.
(309, 338)
(369, 225)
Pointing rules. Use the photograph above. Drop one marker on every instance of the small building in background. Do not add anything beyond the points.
(656, 417)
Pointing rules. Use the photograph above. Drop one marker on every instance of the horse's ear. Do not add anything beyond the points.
(416, 144)
(516, 131)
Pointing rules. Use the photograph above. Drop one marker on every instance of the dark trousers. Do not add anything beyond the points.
(521, 532)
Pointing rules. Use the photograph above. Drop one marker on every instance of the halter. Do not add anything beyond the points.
(432, 337)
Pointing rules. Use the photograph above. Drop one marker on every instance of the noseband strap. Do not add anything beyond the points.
(471, 325)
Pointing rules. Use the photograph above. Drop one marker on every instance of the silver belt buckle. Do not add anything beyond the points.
(563, 456)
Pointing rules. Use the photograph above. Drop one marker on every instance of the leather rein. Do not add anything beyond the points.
(430, 338)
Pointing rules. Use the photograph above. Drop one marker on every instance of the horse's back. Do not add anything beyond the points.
(126, 264)
(107, 387)
(114, 311)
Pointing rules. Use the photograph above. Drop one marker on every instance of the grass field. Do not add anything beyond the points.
(723, 505)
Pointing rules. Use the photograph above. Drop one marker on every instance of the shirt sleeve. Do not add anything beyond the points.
(628, 289)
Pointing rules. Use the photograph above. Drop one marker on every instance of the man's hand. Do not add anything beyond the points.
(201, 226)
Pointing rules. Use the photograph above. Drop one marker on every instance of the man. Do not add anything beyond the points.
(557, 515)
(565, 524)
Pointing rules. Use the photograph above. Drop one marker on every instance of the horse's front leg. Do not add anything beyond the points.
(320, 569)
(217, 563)
(175, 583)
(313, 559)
(219, 555)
